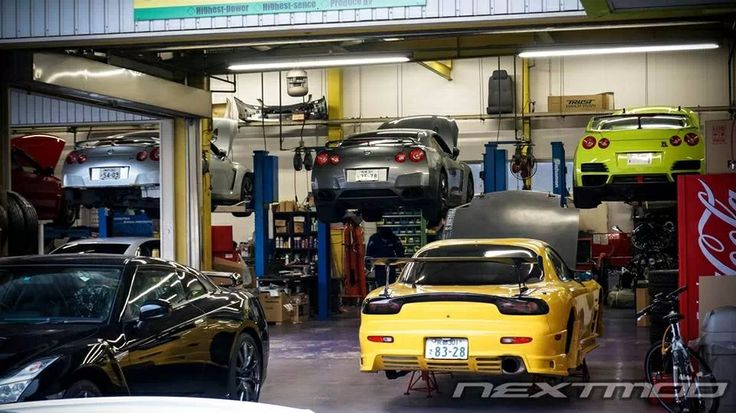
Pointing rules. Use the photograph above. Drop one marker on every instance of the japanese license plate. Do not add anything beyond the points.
(639, 159)
(367, 175)
(446, 348)
(106, 174)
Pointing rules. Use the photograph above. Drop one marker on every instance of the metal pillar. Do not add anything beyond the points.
(494, 168)
(526, 123)
(334, 102)
(187, 191)
(559, 170)
(266, 177)
(4, 150)
(103, 223)
(323, 270)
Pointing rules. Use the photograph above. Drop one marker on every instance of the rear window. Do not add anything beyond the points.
(472, 272)
(119, 140)
(118, 249)
(630, 122)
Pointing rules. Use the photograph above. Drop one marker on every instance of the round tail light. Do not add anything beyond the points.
(322, 158)
(155, 154)
(692, 139)
(604, 143)
(141, 156)
(416, 155)
(72, 158)
(334, 159)
(675, 141)
(588, 142)
(81, 158)
(400, 157)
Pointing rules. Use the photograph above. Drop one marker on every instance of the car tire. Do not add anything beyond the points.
(67, 214)
(30, 217)
(438, 209)
(470, 190)
(246, 194)
(245, 375)
(22, 224)
(82, 389)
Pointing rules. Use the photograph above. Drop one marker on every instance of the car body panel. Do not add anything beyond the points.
(446, 127)
(33, 160)
(483, 325)
(145, 405)
(639, 163)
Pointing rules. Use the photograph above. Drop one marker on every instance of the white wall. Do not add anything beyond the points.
(684, 78)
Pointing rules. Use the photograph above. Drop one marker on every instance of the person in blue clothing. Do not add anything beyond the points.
(384, 243)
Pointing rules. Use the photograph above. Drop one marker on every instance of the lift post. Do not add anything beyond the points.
(266, 184)
(494, 168)
(559, 172)
(323, 270)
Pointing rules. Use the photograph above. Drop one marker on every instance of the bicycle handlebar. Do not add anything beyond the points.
(659, 300)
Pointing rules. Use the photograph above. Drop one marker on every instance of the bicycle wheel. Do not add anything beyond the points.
(699, 394)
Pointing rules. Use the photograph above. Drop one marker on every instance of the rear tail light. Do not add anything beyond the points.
(400, 157)
(381, 339)
(81, 158)
(526, 306)
(382, 306)
(72, 158)
(155, 154)
(604, 143)
(141, 156)
(322, 158)
(416, 155)
(334, 159)
(588, 142)
(692, 139)
(515, 340)
(675, 141)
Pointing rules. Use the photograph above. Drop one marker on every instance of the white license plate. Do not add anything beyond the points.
(366, 175)
(108, 174)
(639, 159)
(446, 348)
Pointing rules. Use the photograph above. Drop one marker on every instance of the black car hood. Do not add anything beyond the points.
(21, 344)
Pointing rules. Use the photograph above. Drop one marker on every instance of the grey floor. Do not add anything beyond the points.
(314, 365)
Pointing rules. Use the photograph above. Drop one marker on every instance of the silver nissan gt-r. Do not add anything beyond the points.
(392, 167)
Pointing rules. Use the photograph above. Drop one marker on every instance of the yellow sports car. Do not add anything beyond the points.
(636, 155)
(490, 306)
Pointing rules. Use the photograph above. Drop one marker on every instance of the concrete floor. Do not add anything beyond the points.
(315, 366)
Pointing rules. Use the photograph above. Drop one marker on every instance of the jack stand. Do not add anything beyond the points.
(430, 383)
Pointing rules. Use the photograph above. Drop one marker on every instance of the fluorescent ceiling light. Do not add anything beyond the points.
(615, 50)
(327, 61)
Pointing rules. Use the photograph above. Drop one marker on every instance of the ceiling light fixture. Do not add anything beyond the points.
(312, 62)
(615, 50)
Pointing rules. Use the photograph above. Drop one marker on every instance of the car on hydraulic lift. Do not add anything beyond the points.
(101, 325)
(122, 171)
(636, 155)
(409, 162)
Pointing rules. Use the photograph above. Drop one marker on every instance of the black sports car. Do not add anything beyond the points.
(94, 324)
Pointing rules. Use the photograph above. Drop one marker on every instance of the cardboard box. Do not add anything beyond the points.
(642, 300)
(275, 307)
(279, 222)
(298, 227)
(287, 206)
(282, 230)
(580, 103)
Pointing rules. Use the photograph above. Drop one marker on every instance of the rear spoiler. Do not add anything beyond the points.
(514, 260)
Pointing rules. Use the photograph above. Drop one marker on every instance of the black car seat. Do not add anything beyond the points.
(500, 93)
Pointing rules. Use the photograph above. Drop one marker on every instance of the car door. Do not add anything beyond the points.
(222, 173)
(162, 353)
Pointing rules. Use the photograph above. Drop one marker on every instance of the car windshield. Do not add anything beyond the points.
(57, 294)
(463, 272)
(85, 248)
(630, 122)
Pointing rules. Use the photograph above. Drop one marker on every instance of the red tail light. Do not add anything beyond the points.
(381, 339)
(515, 340)
(400, 157)
(322, 158)
(692, 139)
(71, 158)
(604, 143)
(141, 156)
(155, 154)
(588, 142)
(334, 159)
(675, 141)
(515, 306)
(81, 158)
(416, 155)
(382, 306)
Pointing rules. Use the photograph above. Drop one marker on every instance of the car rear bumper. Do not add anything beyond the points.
(128, 197)
(412, 188)
(645, 191)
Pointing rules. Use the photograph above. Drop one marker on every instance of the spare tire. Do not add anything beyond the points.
(29, 244)
(16, 227)
(3, 227)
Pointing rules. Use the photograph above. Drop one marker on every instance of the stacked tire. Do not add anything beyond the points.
(660, 282)
(22, 226)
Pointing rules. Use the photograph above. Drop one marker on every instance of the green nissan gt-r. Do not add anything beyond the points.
(636, 155)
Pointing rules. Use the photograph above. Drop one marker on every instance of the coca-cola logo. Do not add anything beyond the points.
(717, 230)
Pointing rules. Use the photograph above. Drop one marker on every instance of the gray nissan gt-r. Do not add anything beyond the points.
(406, 163)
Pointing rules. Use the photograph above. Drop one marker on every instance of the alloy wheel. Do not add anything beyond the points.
(248, 372)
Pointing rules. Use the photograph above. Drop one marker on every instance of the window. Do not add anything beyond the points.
(192, 285)
(155, 284)
(84, 248)
(643, 121)
(560, 268)
(149, 249)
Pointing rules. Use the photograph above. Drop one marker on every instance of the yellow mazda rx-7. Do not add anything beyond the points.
(490, 306)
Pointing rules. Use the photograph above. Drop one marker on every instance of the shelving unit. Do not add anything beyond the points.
(409, 226)
(295, 235)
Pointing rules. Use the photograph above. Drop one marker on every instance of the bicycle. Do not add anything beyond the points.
(672, 366)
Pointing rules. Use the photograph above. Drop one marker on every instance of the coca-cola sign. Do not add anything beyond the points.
(707, 236)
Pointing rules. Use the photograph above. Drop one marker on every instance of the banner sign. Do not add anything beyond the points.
(706, 216)
(182, 9)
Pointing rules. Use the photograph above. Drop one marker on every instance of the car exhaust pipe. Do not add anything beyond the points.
(512, 365)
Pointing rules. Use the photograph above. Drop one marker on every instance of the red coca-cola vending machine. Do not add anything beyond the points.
(706, 209)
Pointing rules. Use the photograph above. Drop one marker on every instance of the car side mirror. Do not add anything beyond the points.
(583, 276)
(154, 310)
(455, 153)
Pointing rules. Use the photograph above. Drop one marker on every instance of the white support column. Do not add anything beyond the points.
(167, 223)
(194, 185)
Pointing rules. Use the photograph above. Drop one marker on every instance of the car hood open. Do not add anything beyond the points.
(44, 149)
